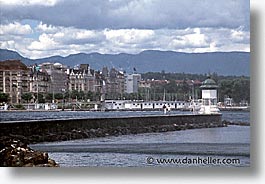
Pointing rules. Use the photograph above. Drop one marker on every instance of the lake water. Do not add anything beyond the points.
(229, 145)
(230, 142)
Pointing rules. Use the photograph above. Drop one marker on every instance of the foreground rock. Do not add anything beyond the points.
(14, 153)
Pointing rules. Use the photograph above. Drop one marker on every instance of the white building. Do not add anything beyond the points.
(134, 105)
(209, 97)
(132, 82)
(81, 79)
(144, 105)
(115, 104)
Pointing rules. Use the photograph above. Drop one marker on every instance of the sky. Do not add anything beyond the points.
(43, 28)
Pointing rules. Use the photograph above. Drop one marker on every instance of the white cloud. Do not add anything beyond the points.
(15, 29)
(128, 36)
(239, 35)
(46, 28)
(129, 26)
(58, 40)
(195, 39)
(29, 2)
(45, 42)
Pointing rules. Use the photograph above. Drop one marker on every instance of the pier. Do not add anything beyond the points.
(34, 131)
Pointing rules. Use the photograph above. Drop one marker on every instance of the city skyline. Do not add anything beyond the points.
(38, 29)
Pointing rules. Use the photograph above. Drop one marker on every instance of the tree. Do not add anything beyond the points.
(49, 97)
(3, 97)
(185, 89)
(89, 95)
(74, 94)
(238, 89)
(241, 90)
(27, 97)
(41, 98)
(58, 96)
(81, 95)
(225, 89)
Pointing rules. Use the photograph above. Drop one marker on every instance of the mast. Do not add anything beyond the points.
(164, 97)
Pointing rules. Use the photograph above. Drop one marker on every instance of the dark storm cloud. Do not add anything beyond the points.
(141, 14)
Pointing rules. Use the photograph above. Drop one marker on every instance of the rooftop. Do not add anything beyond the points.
(209, 84)
(12, 65)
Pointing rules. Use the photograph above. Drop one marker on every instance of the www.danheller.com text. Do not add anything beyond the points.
(194, 161)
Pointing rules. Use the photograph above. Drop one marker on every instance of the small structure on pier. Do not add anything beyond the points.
(209, 97)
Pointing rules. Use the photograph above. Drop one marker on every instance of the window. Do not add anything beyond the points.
(213, 101)
(206, 102)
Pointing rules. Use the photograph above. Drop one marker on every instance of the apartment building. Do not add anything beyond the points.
(132, 83)
(14, 79)
(81, 79)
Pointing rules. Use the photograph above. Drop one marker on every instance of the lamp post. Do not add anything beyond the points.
(193, 105)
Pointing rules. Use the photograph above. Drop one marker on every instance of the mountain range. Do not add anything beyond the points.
(223, 63)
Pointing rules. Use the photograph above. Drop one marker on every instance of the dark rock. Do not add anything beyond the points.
(63, 138)
(239, 123)
(36, 157)
(76, 136)
(15, 153)
(84, 134)
(92, 130)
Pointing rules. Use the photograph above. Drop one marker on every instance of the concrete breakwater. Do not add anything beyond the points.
(35, 131)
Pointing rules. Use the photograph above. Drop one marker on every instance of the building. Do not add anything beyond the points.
(115, 84)
(110, 83)
(81, 79)
(132, 83)
(58, 76)
(209, 97)
(40, 81)
(145, 83)
(144, 105)
(14, 79)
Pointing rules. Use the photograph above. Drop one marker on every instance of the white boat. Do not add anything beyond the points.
(4, 107)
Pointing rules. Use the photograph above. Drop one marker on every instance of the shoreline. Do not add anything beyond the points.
(235, 108)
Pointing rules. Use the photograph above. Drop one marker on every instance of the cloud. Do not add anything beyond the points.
(240, 36)
(15, 29)
(44, 43)
(128, 36)
(29, 2)
(127, 14)
(193, 40)
(38, 28)
(46, 28)
(69, 40)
